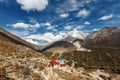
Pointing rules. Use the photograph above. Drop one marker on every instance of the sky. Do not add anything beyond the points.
(52, 19)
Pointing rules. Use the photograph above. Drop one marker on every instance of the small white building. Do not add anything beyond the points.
(58, 64)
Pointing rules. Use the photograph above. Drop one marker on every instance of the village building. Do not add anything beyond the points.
(58, 64)
(62, 63)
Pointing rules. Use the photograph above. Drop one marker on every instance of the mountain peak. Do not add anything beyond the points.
(77, 34)
(66, 36)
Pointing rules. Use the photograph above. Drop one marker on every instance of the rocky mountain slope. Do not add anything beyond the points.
(7, 36)
(104, 54)
(68, 44)
(60, 47)
(108, 37)
(72, 42)
(19, 62)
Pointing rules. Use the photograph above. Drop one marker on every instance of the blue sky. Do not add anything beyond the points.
(26, 18)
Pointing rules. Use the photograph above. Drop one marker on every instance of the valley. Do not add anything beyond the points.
(20, 62)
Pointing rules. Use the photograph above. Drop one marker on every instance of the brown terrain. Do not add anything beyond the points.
(19, 61)
(105, 51)
(107, 37)
(60, 47)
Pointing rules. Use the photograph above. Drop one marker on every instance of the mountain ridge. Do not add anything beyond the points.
(7, 36)
(29, 64)
(43, 42)
(108, 36)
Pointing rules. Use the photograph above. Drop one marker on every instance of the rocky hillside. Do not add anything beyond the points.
(6, 36)
(105, 51)
(99, 58)
(108, 37)
(68, 44)
(18, 62)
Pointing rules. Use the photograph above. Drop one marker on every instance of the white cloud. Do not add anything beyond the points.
(87, 23)
(49, 26)
(33, 5)
(80, 27)
(68, 27)
(20, 25)
(72, 5)
(32, 20)
(21, 34)
(106, 17)
(50, 37)
(33, 26)
(96, 29)
(24, 25)
(83, 13)
(64, 15)
(36, 25)
(55, 30)
(67, 5)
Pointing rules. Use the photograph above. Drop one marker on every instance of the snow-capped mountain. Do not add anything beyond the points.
(66, 36)
(71, 41)
(77, 34)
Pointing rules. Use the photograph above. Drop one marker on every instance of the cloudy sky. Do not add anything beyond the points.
(53, 18)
